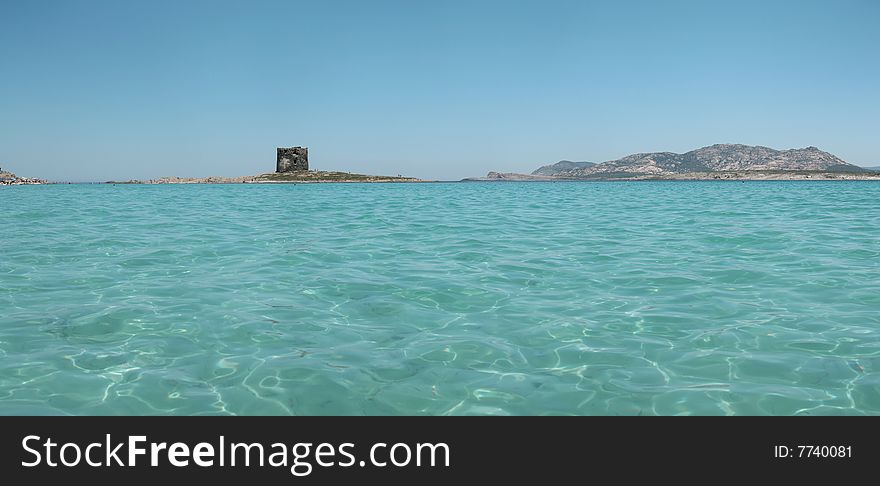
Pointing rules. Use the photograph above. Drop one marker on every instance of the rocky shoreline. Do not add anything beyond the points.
(10, 179)
(763, 176)
(743, 175)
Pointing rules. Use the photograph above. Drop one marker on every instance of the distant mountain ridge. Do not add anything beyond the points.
(561, 166)
(714, 158)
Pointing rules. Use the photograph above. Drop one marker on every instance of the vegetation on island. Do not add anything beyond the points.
(329, 176)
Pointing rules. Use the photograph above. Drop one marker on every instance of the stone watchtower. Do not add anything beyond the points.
(292, 159)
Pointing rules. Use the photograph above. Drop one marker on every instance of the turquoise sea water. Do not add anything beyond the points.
(483, 298)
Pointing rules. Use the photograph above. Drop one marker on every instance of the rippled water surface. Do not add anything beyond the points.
(482, 298)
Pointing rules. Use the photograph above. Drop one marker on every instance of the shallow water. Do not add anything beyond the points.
(481, 298)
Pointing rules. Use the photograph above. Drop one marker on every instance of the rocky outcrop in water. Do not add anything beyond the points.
(510, 176)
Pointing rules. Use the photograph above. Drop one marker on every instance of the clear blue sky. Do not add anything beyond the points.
(97, 90)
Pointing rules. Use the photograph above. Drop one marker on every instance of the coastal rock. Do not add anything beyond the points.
(510, 176)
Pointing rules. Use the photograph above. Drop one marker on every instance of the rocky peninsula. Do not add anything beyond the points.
(720, 161)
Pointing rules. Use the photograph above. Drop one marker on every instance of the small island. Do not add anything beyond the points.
(291, 167)
(312, 176)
